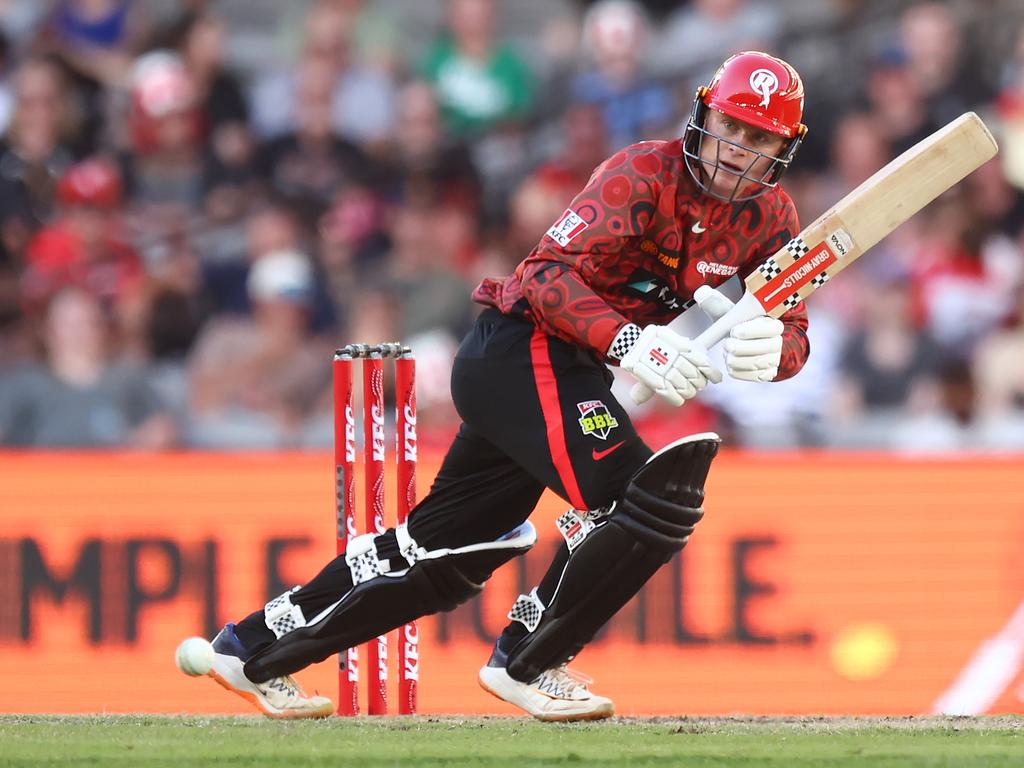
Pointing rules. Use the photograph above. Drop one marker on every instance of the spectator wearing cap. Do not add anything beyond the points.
(84, 247)
(267, 228)
(254, 382)
(163, 167)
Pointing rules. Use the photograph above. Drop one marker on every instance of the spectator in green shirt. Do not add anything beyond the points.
(480, 82)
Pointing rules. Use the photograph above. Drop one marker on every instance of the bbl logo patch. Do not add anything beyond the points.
(595, 419)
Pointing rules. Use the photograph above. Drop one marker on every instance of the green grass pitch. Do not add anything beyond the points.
(136, 740)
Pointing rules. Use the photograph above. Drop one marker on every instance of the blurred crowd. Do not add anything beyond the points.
(200, 200)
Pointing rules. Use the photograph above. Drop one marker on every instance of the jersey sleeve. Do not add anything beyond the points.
(617, 203)
(795, 346)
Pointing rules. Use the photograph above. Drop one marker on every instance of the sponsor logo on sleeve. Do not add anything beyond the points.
(567, 227)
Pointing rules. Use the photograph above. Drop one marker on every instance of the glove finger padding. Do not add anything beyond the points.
(763, 327)
(753, 347)
(752, 363)
(671, 394)
(709, 371)
(683, 366)
(760, 375)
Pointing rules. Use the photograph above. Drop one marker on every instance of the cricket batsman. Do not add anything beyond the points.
(657, 221)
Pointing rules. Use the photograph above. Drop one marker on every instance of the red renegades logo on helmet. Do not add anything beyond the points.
(764, 82)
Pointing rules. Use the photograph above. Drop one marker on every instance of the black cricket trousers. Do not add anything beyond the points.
(537, 412)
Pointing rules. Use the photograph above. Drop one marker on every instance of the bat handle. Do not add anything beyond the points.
(747, 308)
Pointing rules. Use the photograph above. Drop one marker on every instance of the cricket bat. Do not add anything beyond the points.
(854, 224)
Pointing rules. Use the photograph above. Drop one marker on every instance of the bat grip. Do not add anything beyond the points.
(747, 308)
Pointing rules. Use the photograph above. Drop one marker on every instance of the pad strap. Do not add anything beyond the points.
(282, 615)
(411, 551)
(527, 610)
(362, 560)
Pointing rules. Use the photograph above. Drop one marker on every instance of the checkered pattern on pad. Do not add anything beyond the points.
(282, 616)
(362, 560)
(527, 610)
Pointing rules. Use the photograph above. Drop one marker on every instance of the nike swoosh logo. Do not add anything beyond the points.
(598, 455)
(697, 228)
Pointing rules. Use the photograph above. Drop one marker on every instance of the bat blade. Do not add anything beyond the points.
(857, 222)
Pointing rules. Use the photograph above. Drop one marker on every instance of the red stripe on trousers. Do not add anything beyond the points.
(547, 391)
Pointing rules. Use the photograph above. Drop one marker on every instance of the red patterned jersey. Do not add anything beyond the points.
(633, 247)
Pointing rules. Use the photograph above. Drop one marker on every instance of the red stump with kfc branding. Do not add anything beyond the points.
(373, 358)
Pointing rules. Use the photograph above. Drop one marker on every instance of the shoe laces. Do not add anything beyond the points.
(563, 682)
(284, 685)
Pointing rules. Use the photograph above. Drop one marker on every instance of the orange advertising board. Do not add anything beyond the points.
(816, 583)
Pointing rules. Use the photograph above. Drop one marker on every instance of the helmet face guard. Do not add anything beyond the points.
(759, 90)
(705, 172)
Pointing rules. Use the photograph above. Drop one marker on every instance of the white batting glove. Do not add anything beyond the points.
(754, 348)
(671, 365)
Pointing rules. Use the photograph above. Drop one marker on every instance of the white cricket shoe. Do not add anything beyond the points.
(557, 695)
(280, 698)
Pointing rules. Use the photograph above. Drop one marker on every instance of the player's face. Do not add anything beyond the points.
(738, 154)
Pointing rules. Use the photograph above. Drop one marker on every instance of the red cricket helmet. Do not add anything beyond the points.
(761, 90)
(94, 181)
(757, 89)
